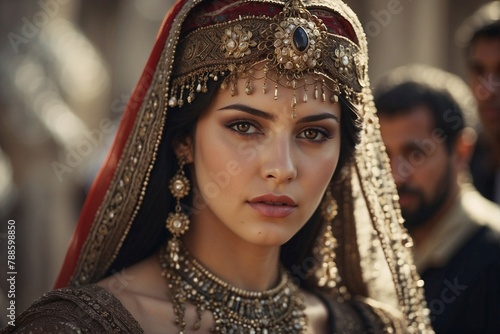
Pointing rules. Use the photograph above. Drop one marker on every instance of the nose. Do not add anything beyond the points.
(488, 87)
(401, 169)
(278, 162)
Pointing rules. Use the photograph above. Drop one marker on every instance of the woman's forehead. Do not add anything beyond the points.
(276, 100)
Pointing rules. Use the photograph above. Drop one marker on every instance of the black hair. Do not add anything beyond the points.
(401, 99)
(148, 231)
(487, 31)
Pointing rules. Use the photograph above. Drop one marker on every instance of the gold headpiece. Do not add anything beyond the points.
(292, 44)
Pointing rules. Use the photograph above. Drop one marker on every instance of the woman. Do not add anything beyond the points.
(241, 138)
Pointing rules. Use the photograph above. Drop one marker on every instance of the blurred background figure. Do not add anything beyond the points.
(480, 36)
(456, 231)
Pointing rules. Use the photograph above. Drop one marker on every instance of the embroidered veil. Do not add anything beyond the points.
(117, 228)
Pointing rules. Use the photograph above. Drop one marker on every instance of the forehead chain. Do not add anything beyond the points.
(293, 49)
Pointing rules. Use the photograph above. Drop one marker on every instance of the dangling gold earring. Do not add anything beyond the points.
(327, 274)
(178, 222)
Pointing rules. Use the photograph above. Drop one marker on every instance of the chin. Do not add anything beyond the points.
(270, 237)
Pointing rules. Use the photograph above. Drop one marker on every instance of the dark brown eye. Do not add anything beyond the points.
(315, 135)
(243, 127)
(311, 134)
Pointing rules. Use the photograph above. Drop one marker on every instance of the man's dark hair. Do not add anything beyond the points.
(401, 99)
(484, 22)
(488, 31)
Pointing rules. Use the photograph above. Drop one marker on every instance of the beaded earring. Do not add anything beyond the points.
(178, 222)
(327, 274)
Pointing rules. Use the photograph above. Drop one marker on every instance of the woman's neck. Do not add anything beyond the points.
(239, 263)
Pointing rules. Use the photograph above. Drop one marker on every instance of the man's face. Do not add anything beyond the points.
(484, 66)
(420, 163)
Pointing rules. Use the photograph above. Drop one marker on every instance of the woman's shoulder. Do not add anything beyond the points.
(89, 308)
(379, 317)
(143, 291)
(362, 315)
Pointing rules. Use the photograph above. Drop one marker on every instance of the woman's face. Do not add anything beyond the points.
(259, 173)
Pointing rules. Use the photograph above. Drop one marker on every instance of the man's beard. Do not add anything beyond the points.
(428, 208)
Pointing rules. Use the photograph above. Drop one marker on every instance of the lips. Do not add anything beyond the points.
(406, 200)
(273, 206)
(409, 198)
(490, 113)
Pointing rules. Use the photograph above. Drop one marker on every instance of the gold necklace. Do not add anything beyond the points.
(238, 311)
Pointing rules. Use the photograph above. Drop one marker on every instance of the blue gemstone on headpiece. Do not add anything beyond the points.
(300, 39)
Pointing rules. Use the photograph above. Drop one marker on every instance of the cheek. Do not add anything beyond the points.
(477, 87)
(218, 166)
(474, 82)
(432, 171)
(320, 170)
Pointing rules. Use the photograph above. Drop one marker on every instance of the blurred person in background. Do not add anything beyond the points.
(480, 35)
(454, 228)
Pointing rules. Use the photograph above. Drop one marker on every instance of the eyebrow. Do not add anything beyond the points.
(270, 117)
(413, 146)
(318, 117)
(250, 110)
(474, 64)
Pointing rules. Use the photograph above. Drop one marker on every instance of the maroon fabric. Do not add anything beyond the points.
(217, 11)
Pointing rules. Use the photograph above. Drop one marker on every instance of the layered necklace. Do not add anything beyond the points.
(238, 311)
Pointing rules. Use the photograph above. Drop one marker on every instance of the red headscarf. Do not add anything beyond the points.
(105, 175)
